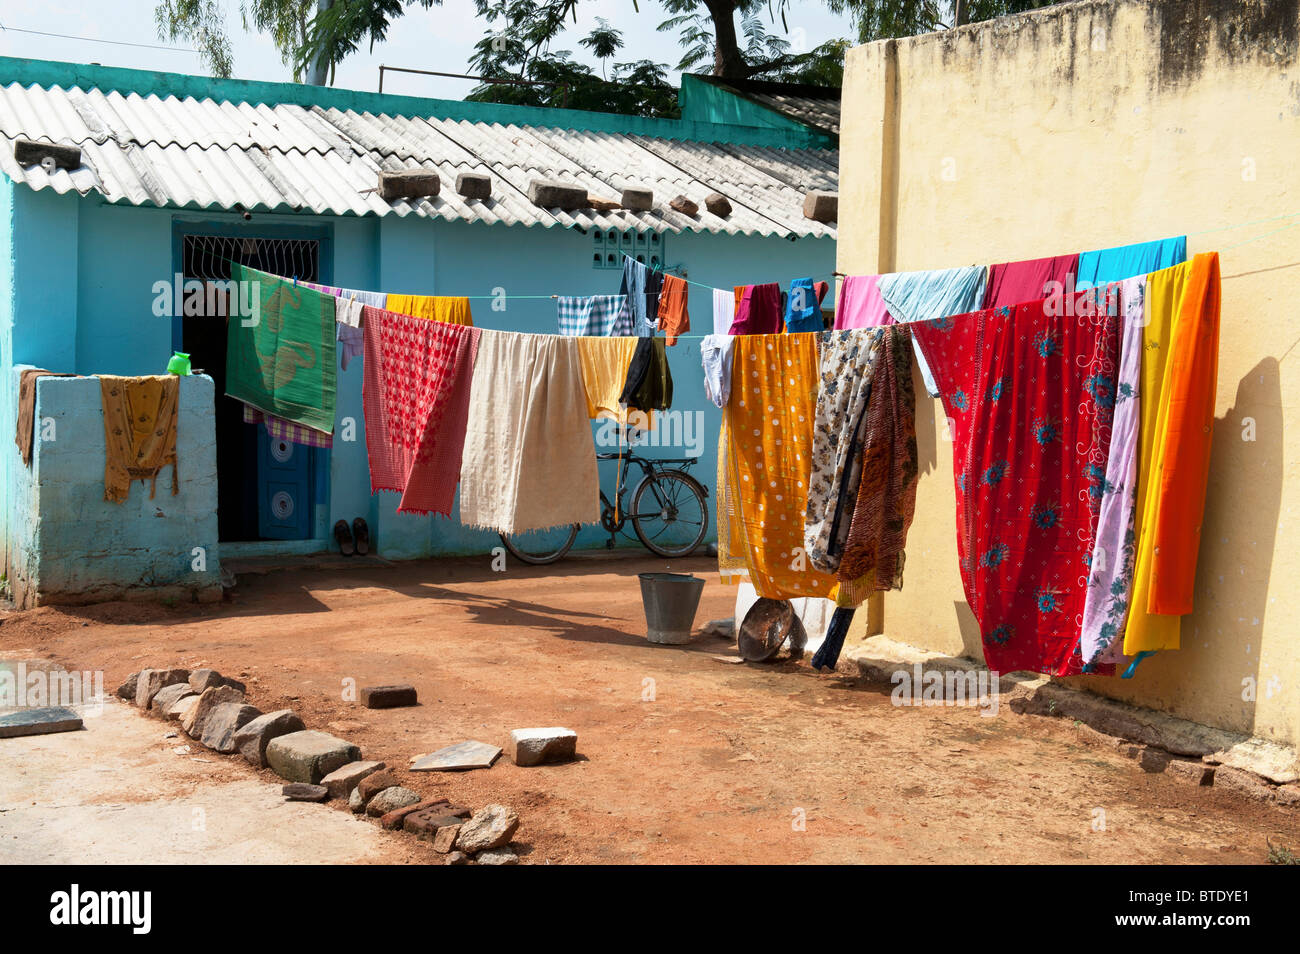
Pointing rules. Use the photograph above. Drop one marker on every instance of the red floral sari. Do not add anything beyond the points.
(1029, 393)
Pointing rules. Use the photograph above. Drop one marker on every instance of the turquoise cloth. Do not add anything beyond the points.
(1129, 261)
(803, 311)
(924, 296)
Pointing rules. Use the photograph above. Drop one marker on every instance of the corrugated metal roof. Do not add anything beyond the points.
(204, 154)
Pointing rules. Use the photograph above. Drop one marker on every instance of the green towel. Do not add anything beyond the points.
(284, 364)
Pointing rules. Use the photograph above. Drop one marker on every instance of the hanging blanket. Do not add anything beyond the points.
(847, 361)
(281, 430)
(1029, 396)
(139, 431)
(598, 315)
(765, 466)
(1014, 282)
(284, 363)
(1110, 579)
(529, 462)
(886, 497)
(604, 373)
(925, 296)
(416, 394)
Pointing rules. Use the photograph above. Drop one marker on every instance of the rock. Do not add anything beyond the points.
(637, 200)
(602, 205)
(391, 799)
(1274, 761)
(308, 756)
(300, 792)
(444, 838)
(549, 194)
(718, 204)
(408, 184)
(168, 696)
(1154, 760)
(535, 746)
(1288, 794)
(151, 680)
(685, 206)
(722, 628)
(427, 822)
(201, 679)
(1243, 783)
(343, 780)
(223, 722)
(397, 817)
(387, 697)
(821, 206)
(496, 856)
(355, 804)
(1197, 773)
(209, 699)
(458, 858)
(127, 689)
(182, 708)
(457, 758)
(474, 185)
(372, 785)
(490, 827)
(253, 738)
(42, 720)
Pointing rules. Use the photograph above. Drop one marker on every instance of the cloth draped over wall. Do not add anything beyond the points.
(140, 416)
(25, 430)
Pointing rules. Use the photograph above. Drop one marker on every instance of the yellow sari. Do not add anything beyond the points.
(454, 311)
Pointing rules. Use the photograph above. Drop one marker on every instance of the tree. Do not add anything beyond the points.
(203, 23)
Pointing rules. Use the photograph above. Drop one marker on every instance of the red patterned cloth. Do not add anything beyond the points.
(1029, 394)
(416, 400)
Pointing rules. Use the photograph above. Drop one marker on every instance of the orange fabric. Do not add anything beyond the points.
(674, 319)
(1185, 469)
(765, 463)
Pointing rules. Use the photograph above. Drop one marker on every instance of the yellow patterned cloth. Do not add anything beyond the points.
(139, 431)
(765, 465)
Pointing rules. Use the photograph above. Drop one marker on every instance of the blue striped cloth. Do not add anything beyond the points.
(598, 315)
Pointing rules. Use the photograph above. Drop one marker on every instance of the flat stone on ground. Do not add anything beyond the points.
(535, 746)
(387, 697)
(344, 779)
(391, 799)
(302, 792)
(40, 721)
(252, 738)
(457, 758)
(496, 856)
(490, 827)
(308, 756)
(396, 818)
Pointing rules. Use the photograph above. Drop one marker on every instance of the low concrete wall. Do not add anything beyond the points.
(70, 545)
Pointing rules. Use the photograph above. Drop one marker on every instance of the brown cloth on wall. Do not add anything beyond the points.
(873, 553)
(25, 430)
(139, 431)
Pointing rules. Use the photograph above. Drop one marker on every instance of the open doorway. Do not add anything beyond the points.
(267, 488)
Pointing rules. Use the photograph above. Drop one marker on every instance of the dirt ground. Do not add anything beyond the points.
(683, 757)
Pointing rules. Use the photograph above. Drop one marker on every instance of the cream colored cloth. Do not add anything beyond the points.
(529, 462)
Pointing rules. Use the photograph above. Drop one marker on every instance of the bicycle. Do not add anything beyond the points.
(669, 513)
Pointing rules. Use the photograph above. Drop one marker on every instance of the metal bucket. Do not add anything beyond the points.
(767, 627)
(670, 601)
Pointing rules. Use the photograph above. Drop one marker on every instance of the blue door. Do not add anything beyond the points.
(284, 503)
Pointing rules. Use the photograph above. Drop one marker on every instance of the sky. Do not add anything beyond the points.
(438, 39)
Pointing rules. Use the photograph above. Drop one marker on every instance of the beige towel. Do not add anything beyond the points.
(529, 462)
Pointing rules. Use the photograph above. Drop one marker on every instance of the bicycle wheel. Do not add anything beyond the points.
(540, 547)
(669, 513)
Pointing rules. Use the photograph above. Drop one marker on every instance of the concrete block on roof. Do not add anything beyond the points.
(474, 185)
(412, 184)
(821, 206)
(550, 194)
(638, 200)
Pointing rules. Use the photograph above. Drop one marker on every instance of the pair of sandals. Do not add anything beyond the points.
(354, 539)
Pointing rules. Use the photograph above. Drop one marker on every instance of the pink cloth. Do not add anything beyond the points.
(759, 311)
(860, 304)
(1014, 282)
(415, 395)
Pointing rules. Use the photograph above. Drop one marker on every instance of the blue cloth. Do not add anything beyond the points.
(803, 311)
(641, 285)
(1129, 261)
(598, 315)
(924, 296)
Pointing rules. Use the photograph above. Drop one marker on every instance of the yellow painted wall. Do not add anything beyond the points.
(1084, 126)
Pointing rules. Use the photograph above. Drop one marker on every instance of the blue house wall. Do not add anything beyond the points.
(78, 278)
